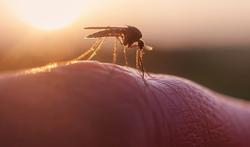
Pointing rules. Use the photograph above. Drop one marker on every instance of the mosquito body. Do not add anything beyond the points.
(128, 36)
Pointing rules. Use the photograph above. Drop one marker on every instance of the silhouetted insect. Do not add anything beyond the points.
(128, 36)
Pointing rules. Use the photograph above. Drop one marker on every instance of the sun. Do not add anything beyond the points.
(48, 14)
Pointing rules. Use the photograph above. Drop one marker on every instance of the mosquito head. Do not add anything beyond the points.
(140, 44)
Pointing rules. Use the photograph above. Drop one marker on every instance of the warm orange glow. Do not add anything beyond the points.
(48, 14)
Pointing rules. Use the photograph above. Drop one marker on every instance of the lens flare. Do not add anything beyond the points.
(48, 14)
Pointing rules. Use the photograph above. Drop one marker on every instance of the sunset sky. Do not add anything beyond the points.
(165, 23)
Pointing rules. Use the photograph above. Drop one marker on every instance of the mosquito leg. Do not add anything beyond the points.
(115, 51)
(141, 62)
(92, 48)
(142, 66)
(120, 40)
(96, 49)
(125, 55)
(137, 59)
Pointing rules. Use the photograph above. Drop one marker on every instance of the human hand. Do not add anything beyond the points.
(92, 104)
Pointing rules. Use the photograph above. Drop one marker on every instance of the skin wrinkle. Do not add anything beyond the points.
(171, 103)
(157, 118)
(89, 100)
(174, 108)
(142, 90)
(172, 87)
(160, 121)
(142, 101)
(139, 83)
(157, 142)
(176, 90)
(165, 126)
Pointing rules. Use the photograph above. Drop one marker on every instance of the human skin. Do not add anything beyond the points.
(92, 104)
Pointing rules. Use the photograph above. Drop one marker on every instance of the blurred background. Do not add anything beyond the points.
(205, 41)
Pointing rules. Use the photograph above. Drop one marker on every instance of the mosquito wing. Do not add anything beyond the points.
(104, 33)
(108, 27)
(107, 31)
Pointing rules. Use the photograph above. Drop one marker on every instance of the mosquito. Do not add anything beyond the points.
(128, 36)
